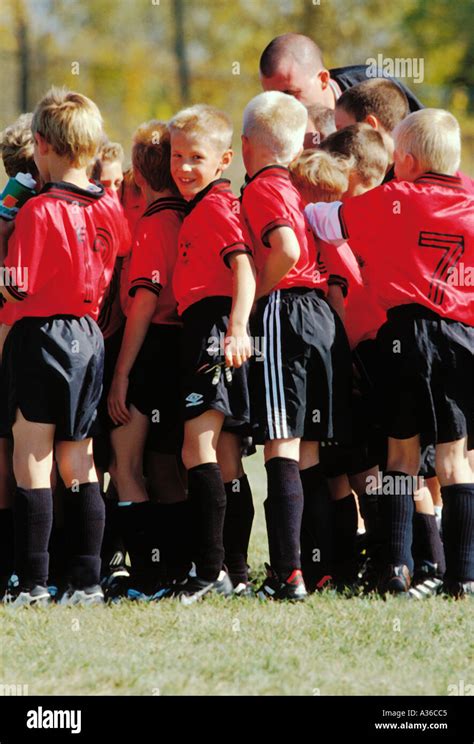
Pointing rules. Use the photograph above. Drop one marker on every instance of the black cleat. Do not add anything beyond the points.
(458, 589)
(292, 589)
(195, 589)
(395, 580)
(37, 596)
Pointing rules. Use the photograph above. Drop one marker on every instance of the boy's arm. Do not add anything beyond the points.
(336, 300)
(324, 220)
(138, 321)
(284, 254)
(237, 342)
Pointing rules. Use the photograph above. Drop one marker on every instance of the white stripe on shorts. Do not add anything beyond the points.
(274, 389)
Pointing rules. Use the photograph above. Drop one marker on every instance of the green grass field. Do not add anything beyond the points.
(327, 646)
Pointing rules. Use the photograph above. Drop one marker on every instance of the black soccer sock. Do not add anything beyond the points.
(237, 528)
(317, 527)
(175, 528)
(285, 494)
(84, 518)
(345, 533)
(139, 524)
(33, 518)
(6, 548)
(113, 541)
(207, 498)
(58, 556)
(427, 544)
(458, 531)
(396, 511)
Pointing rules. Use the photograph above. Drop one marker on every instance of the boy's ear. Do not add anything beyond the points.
(373, 121)
(226, 159)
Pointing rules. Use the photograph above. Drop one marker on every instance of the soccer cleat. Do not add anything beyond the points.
(87, 597)
(425, 589)
(395, 580)
(458, 589)
(37, 596)
(194, 588)
(292, 589)
(244, 589)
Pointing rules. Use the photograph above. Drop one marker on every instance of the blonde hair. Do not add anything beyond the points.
(276, 122)
(71, 123)
(108, 153)
(151, 154)
(433, 137)
(365, 146)
(16, 147)
(319, 176)
(205, 121)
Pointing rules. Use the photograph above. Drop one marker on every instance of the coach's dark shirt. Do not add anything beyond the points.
(346, 77)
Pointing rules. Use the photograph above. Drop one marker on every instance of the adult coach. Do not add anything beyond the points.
(293, 64)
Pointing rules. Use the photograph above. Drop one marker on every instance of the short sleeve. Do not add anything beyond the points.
(266, 210)
(30, 262)
(227, 235)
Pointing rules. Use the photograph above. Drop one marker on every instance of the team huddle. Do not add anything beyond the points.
(165, 327)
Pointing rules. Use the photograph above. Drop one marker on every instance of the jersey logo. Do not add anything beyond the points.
(194, 399)
(453, 250)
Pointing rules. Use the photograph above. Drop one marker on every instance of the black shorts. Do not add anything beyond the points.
(426, 382)
(368, 443)
(207, 384)
(155, 387)
(102, 447)
(301, 379)
(53, 369)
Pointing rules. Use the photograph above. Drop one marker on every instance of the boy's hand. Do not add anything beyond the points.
(116, 406)
(237, 346)
(6, 230)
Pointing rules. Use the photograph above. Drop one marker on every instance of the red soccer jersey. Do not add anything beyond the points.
(270, 200)
(154, 255)
(63, 249)
(363, 314)
(210, 233)
(416, 241)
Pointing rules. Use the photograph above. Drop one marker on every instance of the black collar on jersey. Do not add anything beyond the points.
(175, 203)
(282, 171)
(440, 179)
(71, 193)
(220, 184)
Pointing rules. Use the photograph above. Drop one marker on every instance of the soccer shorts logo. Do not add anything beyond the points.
(194, 399)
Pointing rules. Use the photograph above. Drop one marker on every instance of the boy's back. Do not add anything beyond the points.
(68, 238)
(415, 241)
(269, 201)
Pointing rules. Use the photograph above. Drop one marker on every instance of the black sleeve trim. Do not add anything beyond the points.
(143, 282)
(16, 293)
(344, 230)
(280, 222)
(339, 281)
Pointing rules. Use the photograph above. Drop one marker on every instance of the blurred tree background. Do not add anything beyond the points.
(140, 59)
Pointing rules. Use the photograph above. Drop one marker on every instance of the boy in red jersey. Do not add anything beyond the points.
(63, 248)
(418, 246)
(302, 387)
(16, 151)
(363, 145)
(214, 285)
(144, 398)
